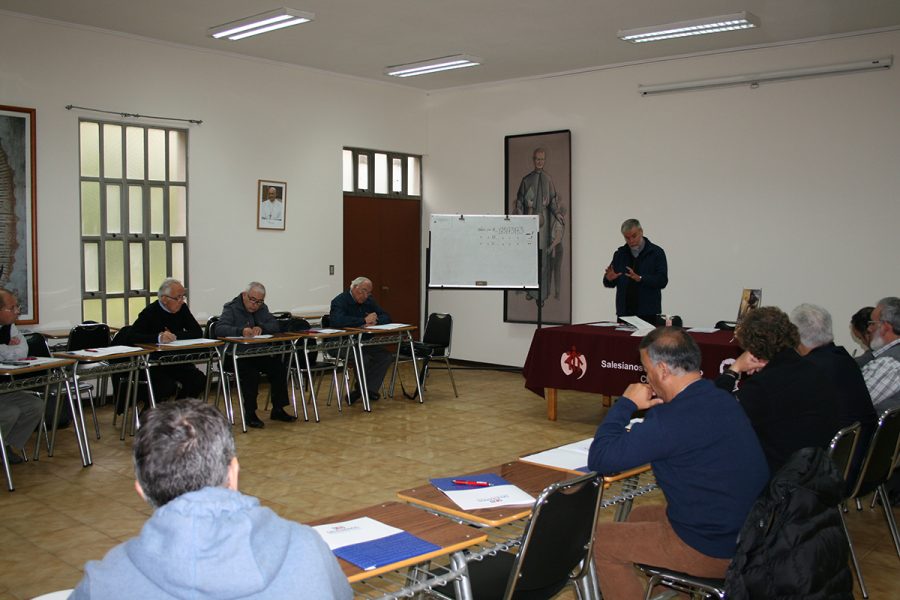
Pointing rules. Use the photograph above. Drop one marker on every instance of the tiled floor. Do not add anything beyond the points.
(62, 515)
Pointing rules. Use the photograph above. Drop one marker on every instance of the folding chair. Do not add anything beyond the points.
(555, 549)
(435, 345)
(81, 337)
(877, 468)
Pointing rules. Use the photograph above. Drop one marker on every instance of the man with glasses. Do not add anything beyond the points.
(882, 373)
(357, 308)
(162, 322)
(248, 316)
(20, 412)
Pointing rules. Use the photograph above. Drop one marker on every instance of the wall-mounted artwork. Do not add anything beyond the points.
(271, 204)
(539, 182)
(18, 214)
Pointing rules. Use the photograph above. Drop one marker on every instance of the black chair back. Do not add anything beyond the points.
(209, 330)
(843, 447)
(438, 331)
(882, 453)
(88, 335)
(557, 543)
(37, 345)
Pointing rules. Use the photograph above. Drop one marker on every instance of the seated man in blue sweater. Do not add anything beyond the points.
(206, 540)
(705, 457)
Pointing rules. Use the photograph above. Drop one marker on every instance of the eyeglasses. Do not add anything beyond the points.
(13, 308)
(180, 298)
(870, 323)
(255, 301)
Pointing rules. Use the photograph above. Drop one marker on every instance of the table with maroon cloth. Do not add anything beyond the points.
(602, 360)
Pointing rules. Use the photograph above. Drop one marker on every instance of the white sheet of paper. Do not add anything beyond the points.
(388, 326)
(105, 351)
(494, 496)
(604, 324)
(639, 323)
(177, 343)
(329, 330)
(572, 456)
(640, 332)
(355, 531)
(702, 330)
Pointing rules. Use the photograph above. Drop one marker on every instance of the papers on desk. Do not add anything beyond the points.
(388, 326)
(370, 544)
(261, 336)
(31, 361)
(178, 343)
(639, 323)
(94, 352)
(499, 493)
(323, 330)
(604, 324)
(571, 457)
(702, 330)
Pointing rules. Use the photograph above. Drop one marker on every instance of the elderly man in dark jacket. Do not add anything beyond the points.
(247, 316)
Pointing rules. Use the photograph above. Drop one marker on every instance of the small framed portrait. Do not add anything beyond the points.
(271, 204)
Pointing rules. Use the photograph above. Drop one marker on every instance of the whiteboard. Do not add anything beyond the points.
(484, 251)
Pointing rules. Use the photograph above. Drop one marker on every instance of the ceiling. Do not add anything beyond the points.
(515, 38)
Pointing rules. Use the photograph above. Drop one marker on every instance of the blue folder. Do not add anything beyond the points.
(385, 551)
(445, 484)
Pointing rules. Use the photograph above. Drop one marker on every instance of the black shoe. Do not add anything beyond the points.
(354, 396)
(253, 421)
(278, 414)
(13, 457)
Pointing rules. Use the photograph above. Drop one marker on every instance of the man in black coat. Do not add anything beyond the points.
(162, 322)
(838, 367)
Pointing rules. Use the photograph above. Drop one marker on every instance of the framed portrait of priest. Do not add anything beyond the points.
(271, 204)
(538, 181)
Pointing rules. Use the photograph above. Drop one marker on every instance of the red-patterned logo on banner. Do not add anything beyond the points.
(573, 363)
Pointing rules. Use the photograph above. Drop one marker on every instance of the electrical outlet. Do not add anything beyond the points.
(331, 269)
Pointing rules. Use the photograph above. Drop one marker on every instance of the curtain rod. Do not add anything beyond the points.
(134, 115)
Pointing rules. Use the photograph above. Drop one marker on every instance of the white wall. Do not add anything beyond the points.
(791, 187)
(260, 121)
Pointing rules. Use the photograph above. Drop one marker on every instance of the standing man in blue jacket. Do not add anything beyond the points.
(639, 272)
(706, 459)
(357, 308)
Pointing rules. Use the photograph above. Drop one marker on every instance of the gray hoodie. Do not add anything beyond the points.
(217, 544)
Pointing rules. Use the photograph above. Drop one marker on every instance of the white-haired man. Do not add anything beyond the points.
(165, 321)
(840, 369)
(357, 308)
(247, 315)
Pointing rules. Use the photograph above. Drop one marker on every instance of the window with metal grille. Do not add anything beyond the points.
(134, 201)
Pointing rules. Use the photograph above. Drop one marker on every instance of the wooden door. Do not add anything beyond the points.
(382, 241)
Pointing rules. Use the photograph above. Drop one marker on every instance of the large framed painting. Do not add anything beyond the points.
(539, 182)
(18, 214)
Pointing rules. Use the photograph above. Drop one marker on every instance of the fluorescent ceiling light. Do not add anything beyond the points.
(445, 63)
(754, 79)
(741, 20)
(261, 23)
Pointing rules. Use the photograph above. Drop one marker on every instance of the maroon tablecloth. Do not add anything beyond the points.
(602, 360)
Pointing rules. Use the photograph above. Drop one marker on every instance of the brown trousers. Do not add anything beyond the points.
(646, 537)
